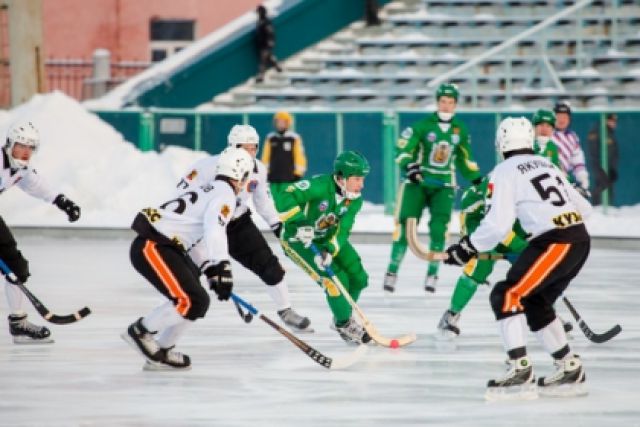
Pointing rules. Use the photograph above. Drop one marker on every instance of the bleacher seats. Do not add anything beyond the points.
(595, 54)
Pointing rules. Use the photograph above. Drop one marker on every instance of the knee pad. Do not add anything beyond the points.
(272, 273)
(200, 301)
(496, 298)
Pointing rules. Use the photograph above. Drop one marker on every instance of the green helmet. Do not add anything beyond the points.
(351, 163)
(447, 89)
(544, 116)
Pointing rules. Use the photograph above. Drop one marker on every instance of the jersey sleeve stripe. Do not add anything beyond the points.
(285, 216)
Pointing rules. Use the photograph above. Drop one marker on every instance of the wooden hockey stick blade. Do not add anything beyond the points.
(350, 359)
(47, 315)
(385, 341)
(587, 331)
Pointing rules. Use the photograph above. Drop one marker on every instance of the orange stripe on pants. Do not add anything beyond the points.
(536, 274)
(166, 277)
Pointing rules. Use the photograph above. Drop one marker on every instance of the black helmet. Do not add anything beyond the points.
(562, 107)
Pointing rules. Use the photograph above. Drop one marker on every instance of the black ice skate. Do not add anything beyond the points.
(448, 325)
(25, 332)
(430, 283)
(389, 283)
(142, 340)
(567, 381)
(518, 383)
(352, 332)
(295, 321)
(170, 360)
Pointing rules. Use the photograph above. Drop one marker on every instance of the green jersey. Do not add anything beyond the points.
(473, 210)
(438, 147)
(316, 202)
(550, 151)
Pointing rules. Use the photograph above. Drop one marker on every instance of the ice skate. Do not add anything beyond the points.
(25, 332)
(448, 325)
(170, 360)
(430, 283)
(352, 332)
(518, 383)
(567, 381)
(142, 340)
(295, 321)
(389, 283)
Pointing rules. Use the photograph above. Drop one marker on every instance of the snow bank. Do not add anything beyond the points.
(90, 162)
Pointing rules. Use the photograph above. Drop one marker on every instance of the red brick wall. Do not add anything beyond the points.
(75, 28)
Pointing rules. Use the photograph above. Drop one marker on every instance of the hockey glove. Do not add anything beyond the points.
(477, 181)
(323, 259)
(277, 229)
(461, 252)
(220, 279)
(414, 173)
(71, 209)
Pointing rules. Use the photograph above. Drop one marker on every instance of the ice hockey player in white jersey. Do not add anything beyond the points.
(531, 189)
(247, 245)
(23, 140)
(159, 253)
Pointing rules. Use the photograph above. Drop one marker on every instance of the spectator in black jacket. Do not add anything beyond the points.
(604, 179)
(265, 42)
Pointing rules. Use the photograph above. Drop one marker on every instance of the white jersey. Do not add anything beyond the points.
(531, 189)
(199, 214)
(257, 188)
(27, 179)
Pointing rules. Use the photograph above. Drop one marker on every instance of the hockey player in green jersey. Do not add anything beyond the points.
(429, 152)
(321, 211)
(476, 271)
(544, 122)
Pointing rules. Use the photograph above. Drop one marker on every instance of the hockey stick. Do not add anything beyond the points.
(44, 311)
(314, 354)
(588, 332)
(423, 253)
(371, 330)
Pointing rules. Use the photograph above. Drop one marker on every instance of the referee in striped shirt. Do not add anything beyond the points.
(572, 158)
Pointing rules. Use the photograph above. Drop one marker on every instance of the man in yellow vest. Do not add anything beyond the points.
(283, 154)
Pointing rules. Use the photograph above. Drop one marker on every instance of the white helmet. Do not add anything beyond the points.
(243, 134)
(24, 133)
(514, 133)
(234, 163)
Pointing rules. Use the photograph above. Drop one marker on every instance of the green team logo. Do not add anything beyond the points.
(440, 154)
(302, 185)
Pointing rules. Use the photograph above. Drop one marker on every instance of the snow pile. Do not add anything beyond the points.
(89, 161)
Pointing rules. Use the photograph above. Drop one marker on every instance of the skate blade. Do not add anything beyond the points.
(564, 390)
(446, 335)
(430, 289)
(347, 361)
(22, 340)
(159, 367)
(520, 392)
(308, 330)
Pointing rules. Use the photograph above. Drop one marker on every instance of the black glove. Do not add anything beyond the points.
(477, 181)
(220, 279)
(71, 209)
(461, 252)
(277, 229)
(414, 173)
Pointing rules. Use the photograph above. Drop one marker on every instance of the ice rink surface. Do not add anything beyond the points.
(250, 375)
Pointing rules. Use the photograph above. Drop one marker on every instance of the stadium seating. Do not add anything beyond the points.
(591, 58)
